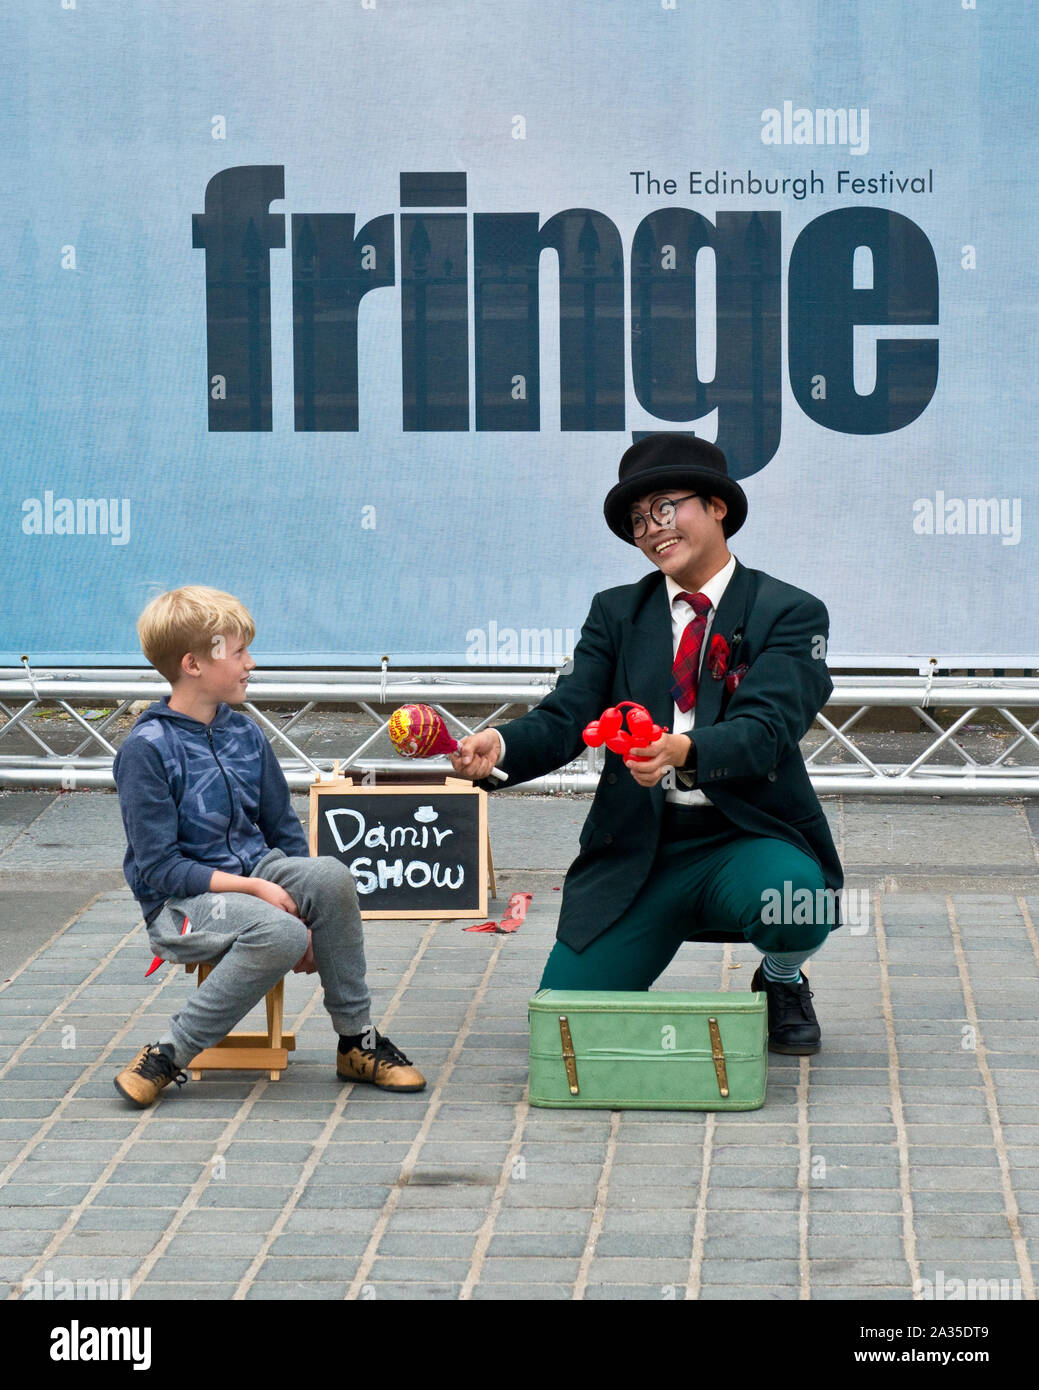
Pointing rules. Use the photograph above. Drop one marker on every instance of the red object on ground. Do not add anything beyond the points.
(514, 915)
(515, 912)
(608, 729)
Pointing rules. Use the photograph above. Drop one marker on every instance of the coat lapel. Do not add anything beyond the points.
(729, 620)
(646, 655)
(647, 651)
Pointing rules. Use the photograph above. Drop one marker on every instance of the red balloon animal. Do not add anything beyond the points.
(608, 729)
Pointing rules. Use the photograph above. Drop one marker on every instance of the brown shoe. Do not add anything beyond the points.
(383, 1065)
(147, 1074)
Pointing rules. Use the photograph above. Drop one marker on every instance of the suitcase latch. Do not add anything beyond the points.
(718, 1056)
(569, 1060)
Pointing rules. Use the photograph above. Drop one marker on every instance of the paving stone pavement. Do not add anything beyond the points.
(906, 1151)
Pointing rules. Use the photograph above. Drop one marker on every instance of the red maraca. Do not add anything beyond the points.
(418, 731)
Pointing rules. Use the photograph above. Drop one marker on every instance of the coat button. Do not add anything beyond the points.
(607, 839)
(772, 775)
(611, 778)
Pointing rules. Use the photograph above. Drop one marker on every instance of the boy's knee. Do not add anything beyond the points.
(297, 939)
(283, 939)
(334, 877)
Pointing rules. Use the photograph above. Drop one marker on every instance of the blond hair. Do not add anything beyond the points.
(191, 619)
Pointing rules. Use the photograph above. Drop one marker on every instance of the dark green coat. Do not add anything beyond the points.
(749, 762)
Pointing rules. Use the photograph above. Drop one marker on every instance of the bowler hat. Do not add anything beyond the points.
(662, 461)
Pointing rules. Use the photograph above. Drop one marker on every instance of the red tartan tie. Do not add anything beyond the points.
(685, 671)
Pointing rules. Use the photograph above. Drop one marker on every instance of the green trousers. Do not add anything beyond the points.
(724, 882)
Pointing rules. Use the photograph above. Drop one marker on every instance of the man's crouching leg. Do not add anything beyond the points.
(777, 895)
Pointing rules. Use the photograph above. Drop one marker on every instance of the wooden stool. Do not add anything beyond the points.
(267, 1052)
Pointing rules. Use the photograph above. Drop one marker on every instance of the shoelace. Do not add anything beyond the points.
(799, 994)
(385, 1051)
(804, 996)
(155, 1063)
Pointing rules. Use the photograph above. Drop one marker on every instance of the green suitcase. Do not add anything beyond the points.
(653, 1050)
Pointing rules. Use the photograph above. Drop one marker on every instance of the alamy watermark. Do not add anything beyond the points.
(790, 906)
(790, 125)
(81, 1342)
(952, 1290)
(527, 646)
(968, 516)
(77, 516)
(59, 1289)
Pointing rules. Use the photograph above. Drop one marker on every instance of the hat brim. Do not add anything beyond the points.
(707, 481)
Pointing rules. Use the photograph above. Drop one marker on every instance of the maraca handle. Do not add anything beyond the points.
(495, 772)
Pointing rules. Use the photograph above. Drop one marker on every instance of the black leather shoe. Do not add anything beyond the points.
(792, 1025)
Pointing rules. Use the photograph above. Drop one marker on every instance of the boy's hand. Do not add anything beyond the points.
(306, 965)
(477, 754)
(274, 894)
(669, 750)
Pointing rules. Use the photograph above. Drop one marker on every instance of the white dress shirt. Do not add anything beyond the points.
(681, 615)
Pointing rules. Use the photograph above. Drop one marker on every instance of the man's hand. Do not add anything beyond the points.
(306, 965)
(477, 754)
(669, 751)
(272, 893)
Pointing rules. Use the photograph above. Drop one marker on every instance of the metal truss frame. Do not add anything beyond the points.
(835, 761)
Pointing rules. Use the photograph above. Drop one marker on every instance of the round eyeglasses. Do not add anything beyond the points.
(662, 510)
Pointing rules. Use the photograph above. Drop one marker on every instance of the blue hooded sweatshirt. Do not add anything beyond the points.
(197, 797)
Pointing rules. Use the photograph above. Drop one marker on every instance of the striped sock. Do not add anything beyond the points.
(784, 967)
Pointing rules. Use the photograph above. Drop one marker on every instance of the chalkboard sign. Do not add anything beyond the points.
(414, 850)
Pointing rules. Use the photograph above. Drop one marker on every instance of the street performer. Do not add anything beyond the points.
(719, 822)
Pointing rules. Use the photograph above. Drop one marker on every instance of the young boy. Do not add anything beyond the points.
(218, 861)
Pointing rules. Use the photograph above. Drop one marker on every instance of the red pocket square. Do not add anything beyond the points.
(734, 677)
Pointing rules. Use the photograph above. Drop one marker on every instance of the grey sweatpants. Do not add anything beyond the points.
(255, 944)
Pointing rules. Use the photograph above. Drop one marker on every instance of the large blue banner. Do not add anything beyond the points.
(350, 307)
